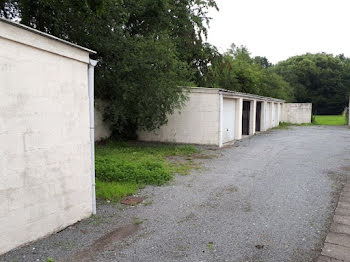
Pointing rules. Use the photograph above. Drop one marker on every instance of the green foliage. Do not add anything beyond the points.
(284, 125)
(337, 120)
(142, 172)
(114, 191)
(322, 79)
(237, 71)
(146, 50)
(121, 168)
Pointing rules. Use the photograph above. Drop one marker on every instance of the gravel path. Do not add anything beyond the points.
(267, 198)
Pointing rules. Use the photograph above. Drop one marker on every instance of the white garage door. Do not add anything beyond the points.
(229, 120)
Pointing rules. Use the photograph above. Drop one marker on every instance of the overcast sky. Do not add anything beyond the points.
(279, 29)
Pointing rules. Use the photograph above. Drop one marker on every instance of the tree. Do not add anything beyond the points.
(322, 79)
(263, 61)
(146, 50)
(237, 71)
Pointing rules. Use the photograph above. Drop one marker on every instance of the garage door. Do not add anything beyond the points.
(229, 120)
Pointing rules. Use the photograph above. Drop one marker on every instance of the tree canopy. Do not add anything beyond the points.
(237, 70)
(322, 79)
(146, 50)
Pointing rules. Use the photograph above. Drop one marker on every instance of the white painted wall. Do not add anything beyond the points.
(102, 130)
(297, 113)
(273, 117)
(44, 136)
(263, 116)
(276, 121)
(213, 117)
(229, 108)
(239, 115)
(267, 116)
(279, 112)
(196, 123)
(252, 117)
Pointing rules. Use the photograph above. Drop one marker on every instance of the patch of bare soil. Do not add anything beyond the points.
(131, 200)
(203, 156)
(89, 254)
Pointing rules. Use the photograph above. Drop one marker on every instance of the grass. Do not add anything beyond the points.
(211, 246)
(284, 125)
(122, 168)
(336, 120)
(114, 190)
(138, 222)
(318, 120)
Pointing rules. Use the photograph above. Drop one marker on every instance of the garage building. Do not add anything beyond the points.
(214, 116)
(46, 134)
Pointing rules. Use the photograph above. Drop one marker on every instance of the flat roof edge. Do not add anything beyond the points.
(46, 35)
(234, 93)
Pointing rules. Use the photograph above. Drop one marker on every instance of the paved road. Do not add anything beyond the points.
(267, 198)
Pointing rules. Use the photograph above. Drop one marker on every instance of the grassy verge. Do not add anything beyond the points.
(284, 125)
(336, 120)
(122, 168)
(114, 190)
(318, 120)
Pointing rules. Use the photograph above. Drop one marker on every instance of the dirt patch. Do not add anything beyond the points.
(131, 200)
(101, 244)
(203, 156)
(346, 168)
(225, 191)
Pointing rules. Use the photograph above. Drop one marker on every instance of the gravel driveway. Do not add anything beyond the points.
(267, 198)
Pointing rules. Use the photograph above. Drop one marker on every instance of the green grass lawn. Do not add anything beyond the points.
(337, 120)
(122, 168)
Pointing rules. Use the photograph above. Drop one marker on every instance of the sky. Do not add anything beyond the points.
(279, 29)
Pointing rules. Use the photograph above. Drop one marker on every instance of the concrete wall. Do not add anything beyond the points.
(196, 123)
(44, 136)
(297, 113)
(268, 114)
(214, 117)
(102, 130)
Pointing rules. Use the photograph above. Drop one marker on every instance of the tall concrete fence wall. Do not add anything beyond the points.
(45, 163)
(297, 113)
